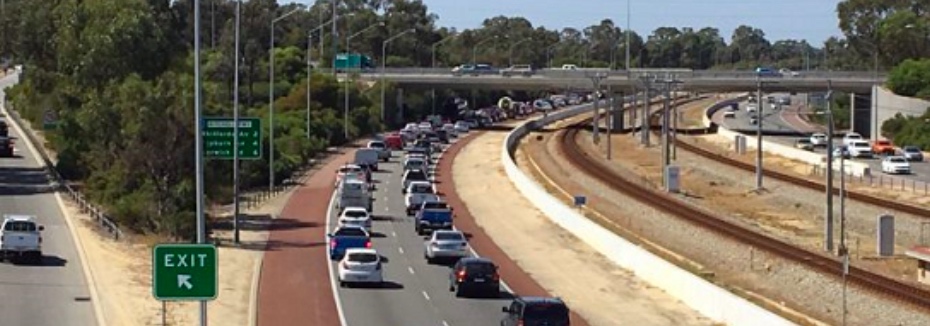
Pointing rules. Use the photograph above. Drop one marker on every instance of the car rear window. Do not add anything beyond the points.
(545, 311)
(449, 236)
(20, 226)
(480, 267)
(376, 145)
(350, 232)
(356, 213)
(363, 257)
(435, 205)
(416, 175)
(897, 160)
(422, 188)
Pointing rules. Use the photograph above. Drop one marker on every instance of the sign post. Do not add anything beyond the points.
(219, 135)
(184, 272)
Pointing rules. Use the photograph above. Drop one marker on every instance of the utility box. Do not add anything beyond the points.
(885, 234)
(672, 179)
(739, 143)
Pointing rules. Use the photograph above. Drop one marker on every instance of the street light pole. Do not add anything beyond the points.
(309, 68)
(828, 215)
(236, 129)
(271, 100)
(549, 54)
(384, 66)
(512, 46)
(474, 49)
(345, 112)
(198, 147)
(433, 65)
(759, 120)
(628, 35)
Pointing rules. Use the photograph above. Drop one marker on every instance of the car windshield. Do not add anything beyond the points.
(422, 189)
(376, 145)
(545, 311)
(853, 136)
(355, 213)
(897, 160)
(911, 149)
(454, 236)
(349, 169)
(435, 205)
(350, 232)
(362, 257)
(804, 141)
(20, 226)
(414, 163)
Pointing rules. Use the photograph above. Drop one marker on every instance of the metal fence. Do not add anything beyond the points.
(882, 181)
(60, 184)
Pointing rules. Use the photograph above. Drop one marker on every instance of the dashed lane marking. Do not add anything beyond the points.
(425, 295)
(400, 249)
(410, 269)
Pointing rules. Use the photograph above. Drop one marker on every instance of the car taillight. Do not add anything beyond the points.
(460, 275)
(519, 322)
(496, 277)
(345, 265)
(332, 243)
(378, 266)
(368, 244)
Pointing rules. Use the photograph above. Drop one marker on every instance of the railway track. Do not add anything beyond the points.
(664, 202)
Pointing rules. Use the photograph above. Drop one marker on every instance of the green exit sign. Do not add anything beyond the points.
(184, 272)
(219, 133)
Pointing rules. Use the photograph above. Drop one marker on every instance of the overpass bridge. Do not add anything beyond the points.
(690, 80)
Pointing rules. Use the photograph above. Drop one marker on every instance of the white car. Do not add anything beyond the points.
(819, 139)
(21, 238)
(384, 153)
(729, 114)
(360, 265)
(788, 72)
(896, 165)
(461, 127)
(425, 126)
(355, 171)
(851, 137)
(860, 148)
(355, 216)
(415, 163)
(445, 244)
(450, 130)
(751, 108)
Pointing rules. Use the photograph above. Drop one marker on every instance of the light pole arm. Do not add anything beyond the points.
(474, 49)
(513, 46)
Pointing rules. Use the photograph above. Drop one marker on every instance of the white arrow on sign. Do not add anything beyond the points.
(184, 281)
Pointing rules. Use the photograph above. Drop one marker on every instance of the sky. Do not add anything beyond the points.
(812, 20)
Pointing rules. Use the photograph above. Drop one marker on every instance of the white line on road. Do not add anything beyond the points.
(411, 270)
(425, 295)
(400, 249)
(394, 235)
(444, 323)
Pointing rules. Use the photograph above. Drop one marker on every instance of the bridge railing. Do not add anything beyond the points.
(619, 74)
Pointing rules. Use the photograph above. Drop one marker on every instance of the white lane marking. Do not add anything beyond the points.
(401, 249)
(329, 268)
(425, 295)
(410, 269)
(393, 234)
(444, 323)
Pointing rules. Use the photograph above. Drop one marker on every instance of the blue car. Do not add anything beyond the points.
(767, 72)
(347, 237)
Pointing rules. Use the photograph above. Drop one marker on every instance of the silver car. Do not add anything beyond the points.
(445, 244)
(912, 153)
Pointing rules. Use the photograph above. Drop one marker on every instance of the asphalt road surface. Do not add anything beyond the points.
(414, 293)
(53, 292)
(772, 120)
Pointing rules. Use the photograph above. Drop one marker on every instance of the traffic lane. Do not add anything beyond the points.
(294, 284)
(435, 277)
(520, 282)
(53, 292)
(771, 120)
(920, 171)
(399, 301)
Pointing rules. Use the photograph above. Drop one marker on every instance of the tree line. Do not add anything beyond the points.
(117, 75)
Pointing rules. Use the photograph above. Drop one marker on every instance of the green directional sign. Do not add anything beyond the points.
(218, 134)
(184, 272)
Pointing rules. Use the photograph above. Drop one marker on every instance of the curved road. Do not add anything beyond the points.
(54, 292)
(783, 120)
(415, 292)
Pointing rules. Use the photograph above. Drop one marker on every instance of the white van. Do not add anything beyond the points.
(368, 157)
(860, 148)
(353, 193)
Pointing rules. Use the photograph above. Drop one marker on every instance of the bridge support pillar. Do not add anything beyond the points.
(616, 111)
(860, 114)
(400, 105)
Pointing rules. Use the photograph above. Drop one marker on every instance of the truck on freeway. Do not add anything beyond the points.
(21, 238)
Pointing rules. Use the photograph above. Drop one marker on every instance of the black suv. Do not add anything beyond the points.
(536, 311)
(475, 276)
(4, 129)
(6, 147)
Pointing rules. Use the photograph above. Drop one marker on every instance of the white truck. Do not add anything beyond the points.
(353, 193)
(21, 238)
(368, 157)
(417, 193)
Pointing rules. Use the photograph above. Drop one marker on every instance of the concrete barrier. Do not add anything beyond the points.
(707, 298)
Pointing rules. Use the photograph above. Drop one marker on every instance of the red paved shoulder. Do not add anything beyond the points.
(294, 287)
(518, 280)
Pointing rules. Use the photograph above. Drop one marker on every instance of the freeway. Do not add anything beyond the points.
(781, 121)
(54, 292)
(415, 293)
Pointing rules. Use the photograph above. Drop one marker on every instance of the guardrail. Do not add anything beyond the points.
(707, 298)
(59, 182)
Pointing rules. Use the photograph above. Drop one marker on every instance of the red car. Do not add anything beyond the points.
(394, 141)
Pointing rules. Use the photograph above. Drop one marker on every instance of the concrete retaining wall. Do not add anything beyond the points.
(890, 104)
(708, 299)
